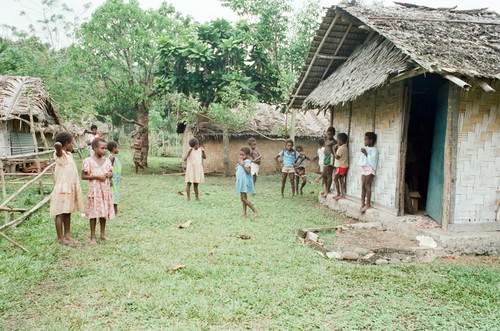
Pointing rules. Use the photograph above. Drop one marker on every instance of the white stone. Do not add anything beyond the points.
(426, 241)
(381, 261)
(334, 255)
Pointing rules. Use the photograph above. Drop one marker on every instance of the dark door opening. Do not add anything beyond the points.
(426, 103)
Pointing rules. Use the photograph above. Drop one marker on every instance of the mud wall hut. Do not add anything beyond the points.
(269, 127)
(426, 81)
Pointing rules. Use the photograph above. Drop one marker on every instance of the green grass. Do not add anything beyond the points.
(268, 282)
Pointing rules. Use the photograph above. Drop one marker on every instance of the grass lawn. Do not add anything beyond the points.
(266, 282)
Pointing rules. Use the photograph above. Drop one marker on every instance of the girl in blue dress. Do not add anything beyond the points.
(244, 181)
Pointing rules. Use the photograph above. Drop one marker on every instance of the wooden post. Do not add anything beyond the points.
(350, 120)
(374, 115)
(405, 108)
(332, 115)
(293, 121)
(450, 155)
(4, 193)
(35, 143)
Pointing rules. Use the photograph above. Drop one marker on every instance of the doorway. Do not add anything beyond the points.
(425, 150)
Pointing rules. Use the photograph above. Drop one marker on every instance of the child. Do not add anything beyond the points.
(300, 169)
(244, 181)
(114, 149)
(91, 136)
(368, 160)
(98, 170)
(66, 197)
(138, 152)
(255, 156)
(341, 165)
(328, 162)
(194, 167)
(289, 156)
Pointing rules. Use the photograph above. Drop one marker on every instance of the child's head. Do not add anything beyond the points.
(370, 138)
(66, 140)
(342, 138)
(194, 143)
(245, 152)
(330, 132)
(321, 142)
(289, 144)
(252, 143)
(93, 129)
(113, 147)
(99, 146)
(299, 148)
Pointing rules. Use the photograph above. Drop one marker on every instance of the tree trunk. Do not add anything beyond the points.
(225, 146)
(143, 119)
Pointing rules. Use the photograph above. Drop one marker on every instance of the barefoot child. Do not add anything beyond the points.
(91, 136)
(255, 156)
(328, 163)
(194, 167)
(66, 197)
(368, 160)
(288, 155)
(321, 159)
(114, 149)
(137, 146)
(341, 165)
(98, 170)
(300, 169)
(244, 181)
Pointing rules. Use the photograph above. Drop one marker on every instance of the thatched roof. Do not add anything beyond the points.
(462, 46)
(269, 122)
(20, 94)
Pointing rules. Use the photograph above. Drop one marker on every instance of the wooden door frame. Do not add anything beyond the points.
(450, 155)
(405, 106)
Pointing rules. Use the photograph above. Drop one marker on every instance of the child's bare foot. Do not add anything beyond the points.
(72, 243)
(361, 209)
(104, 237)
(256, 214)
(365, 208)
(243, 215)
(93, 242)
(336, 197)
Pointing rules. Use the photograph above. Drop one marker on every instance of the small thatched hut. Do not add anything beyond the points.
(425, 81)
(268, 125)
(23, 100)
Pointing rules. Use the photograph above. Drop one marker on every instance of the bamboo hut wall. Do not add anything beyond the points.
(386, 119)
(4, 139)
(478, 159)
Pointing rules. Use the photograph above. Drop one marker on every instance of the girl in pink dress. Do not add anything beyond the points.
(98, 170)
(66, 197)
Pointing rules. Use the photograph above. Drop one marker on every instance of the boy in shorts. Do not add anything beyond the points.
(255, 157)
(341, 165)
(300, 169)
(288, 156)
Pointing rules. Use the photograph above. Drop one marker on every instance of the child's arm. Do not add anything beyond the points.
(86, 176)
(112, 159)
(203, 155)
(58, 147)
(278, 164)
(188, 152)
(242, 163)
(362, 150)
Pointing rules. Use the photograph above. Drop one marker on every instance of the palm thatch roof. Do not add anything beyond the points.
(19, 95)
(347, 57)
(267, 121)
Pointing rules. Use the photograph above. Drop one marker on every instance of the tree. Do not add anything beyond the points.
(118, 51)
(221, 66)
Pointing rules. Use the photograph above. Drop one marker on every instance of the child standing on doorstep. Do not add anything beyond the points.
(330, 142)
(368, 161)
(98, 170)
(244, 181)
(66, 197)
(114, 149)
(194, 167)
(255, 156)
(288, 155)
(300, 169)
(341, 165)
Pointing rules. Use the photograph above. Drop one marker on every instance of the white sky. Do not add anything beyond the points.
(201, 10)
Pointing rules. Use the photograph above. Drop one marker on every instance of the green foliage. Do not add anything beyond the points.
(221, 66)
(117, 50)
